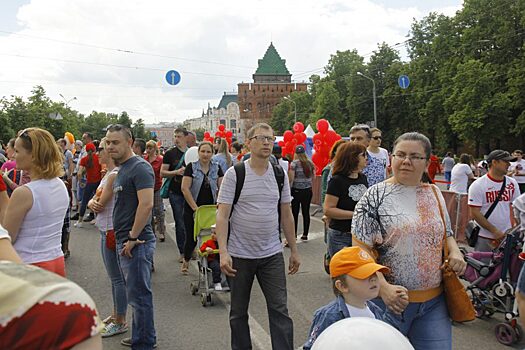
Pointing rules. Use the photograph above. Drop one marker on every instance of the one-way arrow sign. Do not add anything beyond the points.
(173, 77)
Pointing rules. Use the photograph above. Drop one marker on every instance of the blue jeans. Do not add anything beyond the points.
(89, 192)
(177, 206)
(337, 240)
(137, 275)
(118, 286)
(448, 177)
(426, 325)
(270, 273)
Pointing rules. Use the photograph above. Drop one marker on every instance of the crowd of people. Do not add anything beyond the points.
(384, 225)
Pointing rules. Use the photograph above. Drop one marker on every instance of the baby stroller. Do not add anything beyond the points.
(204, 222)
(493, 283)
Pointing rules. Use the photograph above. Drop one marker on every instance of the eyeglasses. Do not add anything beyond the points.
(262, 138)
(377, 137)
(411, 157)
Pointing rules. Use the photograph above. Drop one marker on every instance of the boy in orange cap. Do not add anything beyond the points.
(354, 281)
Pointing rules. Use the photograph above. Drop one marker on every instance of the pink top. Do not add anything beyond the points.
(10, 164)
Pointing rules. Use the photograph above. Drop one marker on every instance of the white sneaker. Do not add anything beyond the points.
(217, 286)
(79, 224)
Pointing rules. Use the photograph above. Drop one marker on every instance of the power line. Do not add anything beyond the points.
(125, 51)
(115, 65)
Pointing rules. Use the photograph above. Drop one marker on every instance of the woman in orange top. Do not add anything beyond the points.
(91, 166)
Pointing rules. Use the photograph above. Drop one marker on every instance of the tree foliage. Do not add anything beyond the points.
(467, 75)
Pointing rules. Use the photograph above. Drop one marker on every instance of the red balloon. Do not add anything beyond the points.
(206, 134)
(331, 136)
(229, 133)
(281, 143)
(229, 140)
(218, 134)
(317, 137)
(338, 137)
(318, 142)
(221, 127)
(322, 126)
(298, 127)
(288, 135)
(303, 137)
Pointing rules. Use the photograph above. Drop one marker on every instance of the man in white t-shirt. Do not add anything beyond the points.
(517, 169)
(253, 248)
(484, 191)
(379, 152)
(461, 174)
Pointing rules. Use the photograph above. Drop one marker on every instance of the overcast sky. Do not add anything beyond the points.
(114, 58)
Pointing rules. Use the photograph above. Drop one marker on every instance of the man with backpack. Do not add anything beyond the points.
(253, 203)
(490, 198)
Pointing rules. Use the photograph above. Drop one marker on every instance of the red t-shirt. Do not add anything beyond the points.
(156, 165)
(3, 187)
(93, 173)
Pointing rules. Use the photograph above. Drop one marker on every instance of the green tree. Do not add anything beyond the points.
(139, 130)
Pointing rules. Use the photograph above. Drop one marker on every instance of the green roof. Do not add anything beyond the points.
(272, 63)
(226, 99)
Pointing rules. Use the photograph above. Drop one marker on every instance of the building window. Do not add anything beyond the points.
(233, 123)
(223, 122)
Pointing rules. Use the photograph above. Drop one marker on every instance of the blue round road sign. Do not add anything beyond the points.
(173, 77)
(403, 81)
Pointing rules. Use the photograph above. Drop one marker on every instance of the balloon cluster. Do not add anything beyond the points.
(292, 139)
(70, 141)
(222, 133)
(323, 142)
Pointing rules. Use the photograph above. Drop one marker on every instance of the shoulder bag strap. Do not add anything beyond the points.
(498, 198)
(445, 246)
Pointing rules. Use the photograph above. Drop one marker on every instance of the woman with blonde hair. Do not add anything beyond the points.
(223, 156)
(36, 211)
(301, 173)
(157, 221)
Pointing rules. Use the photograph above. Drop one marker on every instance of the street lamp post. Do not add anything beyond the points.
(373, 94)
(66, 100)
(287, 98)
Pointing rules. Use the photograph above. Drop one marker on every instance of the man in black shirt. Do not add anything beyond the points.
(173, 167)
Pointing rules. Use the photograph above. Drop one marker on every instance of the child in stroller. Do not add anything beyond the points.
(209, 249)
(493, 277)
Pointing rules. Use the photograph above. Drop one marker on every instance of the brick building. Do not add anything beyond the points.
(271, 82)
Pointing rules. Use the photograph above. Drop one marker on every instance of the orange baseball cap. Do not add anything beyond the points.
(355, 262)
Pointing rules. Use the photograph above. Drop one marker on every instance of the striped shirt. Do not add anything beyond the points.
(254, 228)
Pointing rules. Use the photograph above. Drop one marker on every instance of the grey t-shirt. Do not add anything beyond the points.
(134, 175)
(254, 230)
(448, 163)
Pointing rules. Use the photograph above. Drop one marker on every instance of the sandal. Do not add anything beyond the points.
(184, 268)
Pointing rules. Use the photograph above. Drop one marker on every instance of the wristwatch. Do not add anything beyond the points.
(132, 239)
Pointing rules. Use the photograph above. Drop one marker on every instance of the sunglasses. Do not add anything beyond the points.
(377, 137)
(119, 127)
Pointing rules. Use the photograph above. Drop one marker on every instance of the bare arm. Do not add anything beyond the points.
(71, 168)
(107, 193)
(7, 252)
(4, 201)
(186, 192)
(475, 212)
(331, 210)
(219, 182)
(20, 203)
(291, 176)
(221, 229)
(288, 227)
(164, 172)
(144, 208)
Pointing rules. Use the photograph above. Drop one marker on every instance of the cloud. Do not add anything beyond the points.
(214, 45)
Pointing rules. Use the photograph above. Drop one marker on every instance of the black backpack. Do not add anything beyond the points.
(240, 173)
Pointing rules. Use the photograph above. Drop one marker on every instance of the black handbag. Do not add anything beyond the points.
(473, 228)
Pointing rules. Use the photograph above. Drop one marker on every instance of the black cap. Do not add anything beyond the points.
(299, 149)
(499, 154)
(277, 149)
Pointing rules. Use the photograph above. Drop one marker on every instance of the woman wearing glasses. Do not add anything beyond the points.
(200, 186)
(345, 189)
(378, 152)
(403, 222)
(36, 210)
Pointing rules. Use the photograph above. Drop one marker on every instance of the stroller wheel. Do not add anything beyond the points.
(506, 334)
(519, 332)
(209, 300)
(194, 289)
(326, 263)
(204, 302)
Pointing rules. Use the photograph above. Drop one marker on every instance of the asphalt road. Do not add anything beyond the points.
(183, 323)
